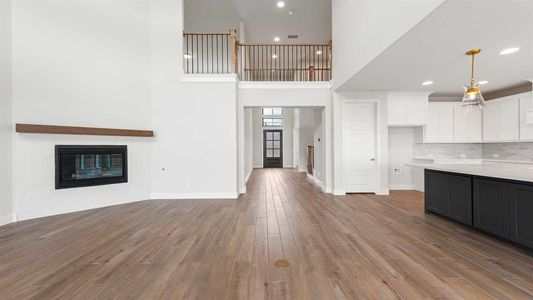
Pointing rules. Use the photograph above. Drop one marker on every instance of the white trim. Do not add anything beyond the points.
(198, 78)
(242, 190)
(401, 187)
(304, 85)
(339, 192)
(318, 182)
(303, 170)
(382, 192)
(160, 196)
(248, 176)
(288, 166)
(257, 166)
(4, 220)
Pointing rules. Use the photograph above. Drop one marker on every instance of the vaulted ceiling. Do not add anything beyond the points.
(434, 50)
(263, 20)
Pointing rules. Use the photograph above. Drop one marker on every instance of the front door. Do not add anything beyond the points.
(272, 149)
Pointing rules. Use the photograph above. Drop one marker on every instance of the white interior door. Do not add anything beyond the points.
(360, 143)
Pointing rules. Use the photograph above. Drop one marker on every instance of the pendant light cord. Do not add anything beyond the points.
(472, 79)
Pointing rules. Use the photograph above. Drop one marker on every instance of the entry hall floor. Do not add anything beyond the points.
(342, 247)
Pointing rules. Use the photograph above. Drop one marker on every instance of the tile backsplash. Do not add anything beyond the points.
(494, 151)
(448, 151)
(508, 151)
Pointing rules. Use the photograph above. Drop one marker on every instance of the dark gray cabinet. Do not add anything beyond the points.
(449, 195)
(521, 218)
(491, 206)
(498, 206)
(461, 199)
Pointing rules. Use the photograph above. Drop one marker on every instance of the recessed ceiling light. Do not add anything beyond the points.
(187, 56)
(291, 12)
(428, 82)
(483, 82)
(509, 50)
(280, 4)
(276, 39)
(274, 56)
(319, 52)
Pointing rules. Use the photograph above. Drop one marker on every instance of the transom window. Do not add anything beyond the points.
(272, 111)
(272, 122)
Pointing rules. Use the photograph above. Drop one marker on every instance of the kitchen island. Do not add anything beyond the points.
(495, 197)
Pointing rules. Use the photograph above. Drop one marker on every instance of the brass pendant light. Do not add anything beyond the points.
(472, 96)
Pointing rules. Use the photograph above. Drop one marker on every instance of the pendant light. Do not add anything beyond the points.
(472, 96)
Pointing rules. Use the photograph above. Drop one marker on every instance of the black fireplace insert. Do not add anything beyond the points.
(79, 166)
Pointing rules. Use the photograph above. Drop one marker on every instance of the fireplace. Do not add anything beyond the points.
(79, 166)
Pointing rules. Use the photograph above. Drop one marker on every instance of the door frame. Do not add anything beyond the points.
(280, 149)
(376, 104)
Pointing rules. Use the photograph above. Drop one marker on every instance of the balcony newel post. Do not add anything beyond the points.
(234, 47)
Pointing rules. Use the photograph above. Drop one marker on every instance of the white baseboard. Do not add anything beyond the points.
(4, 220)
(339, 192)
(327, 190)
(302, 170)
(287, 166)
(401, 187)
(185, 196)
(257, 166)
(248, 176)
(382, 192)
(242, 190)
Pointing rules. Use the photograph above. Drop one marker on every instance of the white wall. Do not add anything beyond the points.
(382, 158)
(374, 24)
(195, 150)
(6, 115)
(248, 143)
(86, 69)
(288, 127)
(210, 16)
(307, 133)
(401, 152)
(318, 143)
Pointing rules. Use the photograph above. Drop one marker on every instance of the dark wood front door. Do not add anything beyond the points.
(272, 148)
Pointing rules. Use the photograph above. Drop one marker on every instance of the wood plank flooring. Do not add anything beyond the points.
(348, 247)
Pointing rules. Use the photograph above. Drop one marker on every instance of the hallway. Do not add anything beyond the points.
(342, 247)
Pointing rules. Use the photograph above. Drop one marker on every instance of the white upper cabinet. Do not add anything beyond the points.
(439, 127)
(501, 120)
(407, 108)
(526, 117)
(467, 125)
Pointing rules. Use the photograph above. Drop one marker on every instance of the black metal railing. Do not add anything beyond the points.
(284, 62)
(221, 53)
(209, 53)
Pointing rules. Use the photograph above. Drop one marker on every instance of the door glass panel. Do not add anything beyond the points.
(269, 136)
(276, 153)
(276, 136)
(276, 144)
(269, 153)
(277, 111)
(270, 144)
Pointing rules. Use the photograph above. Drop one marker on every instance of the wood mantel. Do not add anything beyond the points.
(54, 129)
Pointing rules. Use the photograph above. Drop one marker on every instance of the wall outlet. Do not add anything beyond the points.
(396, 171)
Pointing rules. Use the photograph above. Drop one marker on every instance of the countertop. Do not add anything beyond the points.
(519, 171)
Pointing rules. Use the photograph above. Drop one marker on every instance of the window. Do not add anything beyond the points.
(272, 122)
(272, 111)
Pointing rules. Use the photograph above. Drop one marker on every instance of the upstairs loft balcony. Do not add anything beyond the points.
(222, 53)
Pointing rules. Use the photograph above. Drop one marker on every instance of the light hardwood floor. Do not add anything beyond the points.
(349, 247)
